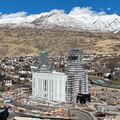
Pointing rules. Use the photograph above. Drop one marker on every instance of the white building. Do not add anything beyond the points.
(8, 83)
(48, 84)
(58, 86)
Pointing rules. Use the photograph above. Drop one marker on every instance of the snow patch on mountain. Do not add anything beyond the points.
(77, 19)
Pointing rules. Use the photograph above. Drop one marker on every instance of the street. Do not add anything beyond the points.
(80, 115)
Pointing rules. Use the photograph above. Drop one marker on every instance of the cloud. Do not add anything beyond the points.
(56, 10)
(74, 12)
(85, 10)
(108, 8)
(13, 15)
(22, 17)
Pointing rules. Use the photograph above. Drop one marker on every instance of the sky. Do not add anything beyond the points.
(38, 6)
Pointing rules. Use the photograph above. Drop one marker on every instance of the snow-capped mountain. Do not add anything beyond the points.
(77, 19)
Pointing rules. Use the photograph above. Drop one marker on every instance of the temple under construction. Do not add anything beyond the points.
(77, 82)
(70, 87)
(46, 83)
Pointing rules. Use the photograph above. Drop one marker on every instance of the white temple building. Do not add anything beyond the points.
(70, 87)
(47, 84)
(50, 86)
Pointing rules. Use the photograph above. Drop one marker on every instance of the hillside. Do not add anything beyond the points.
(29, 41)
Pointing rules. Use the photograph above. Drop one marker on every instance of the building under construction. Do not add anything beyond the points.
(71, 87)
(46, 83)
(77, 83)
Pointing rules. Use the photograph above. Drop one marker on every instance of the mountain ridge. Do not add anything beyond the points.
(70, 21)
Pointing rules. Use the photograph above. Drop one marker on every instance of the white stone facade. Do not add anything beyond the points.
(50, 86)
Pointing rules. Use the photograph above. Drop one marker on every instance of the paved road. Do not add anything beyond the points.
(81, 115)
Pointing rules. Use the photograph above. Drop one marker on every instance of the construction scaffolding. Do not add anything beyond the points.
(77, 82)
